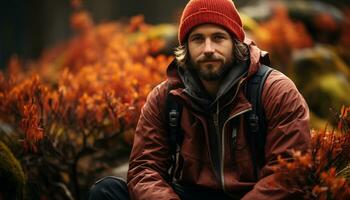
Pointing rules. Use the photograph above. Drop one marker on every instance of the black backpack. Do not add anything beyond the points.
(256, 125)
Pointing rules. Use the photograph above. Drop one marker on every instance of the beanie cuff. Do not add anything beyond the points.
(210, 17)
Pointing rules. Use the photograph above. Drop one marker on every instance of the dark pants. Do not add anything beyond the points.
(114, 188)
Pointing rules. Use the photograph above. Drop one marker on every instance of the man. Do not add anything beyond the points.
(213, 65)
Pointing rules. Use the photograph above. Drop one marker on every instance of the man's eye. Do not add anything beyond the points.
(196, 39)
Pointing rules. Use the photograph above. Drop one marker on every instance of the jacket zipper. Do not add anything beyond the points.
(223, 147)
(222, 150)
(222, 138)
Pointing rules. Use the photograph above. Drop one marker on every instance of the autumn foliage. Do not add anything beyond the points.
(324, 172)
(282, 41)
(76, 101)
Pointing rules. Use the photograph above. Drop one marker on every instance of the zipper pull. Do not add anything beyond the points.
(234, 137)
(216, 120)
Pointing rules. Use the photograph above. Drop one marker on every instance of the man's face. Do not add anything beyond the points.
(210, 48)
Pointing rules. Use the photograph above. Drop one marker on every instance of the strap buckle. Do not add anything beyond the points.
(254, 123)
(173, 118)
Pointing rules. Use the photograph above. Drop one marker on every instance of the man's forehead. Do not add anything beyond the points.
(208, 29)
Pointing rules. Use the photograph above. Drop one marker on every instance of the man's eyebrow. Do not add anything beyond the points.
(195, 34)
(220, 33)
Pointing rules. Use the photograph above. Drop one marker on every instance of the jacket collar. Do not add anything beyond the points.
(257, 57)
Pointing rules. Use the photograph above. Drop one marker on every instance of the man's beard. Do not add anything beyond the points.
(206, 73)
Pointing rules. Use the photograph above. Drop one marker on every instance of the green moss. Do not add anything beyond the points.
(12, 180)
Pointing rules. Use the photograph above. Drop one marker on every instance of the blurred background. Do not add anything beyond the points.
(302, 33)
(74, 75)
(28, 27)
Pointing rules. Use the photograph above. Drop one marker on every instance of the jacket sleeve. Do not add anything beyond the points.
(149, 158)
(288, 128)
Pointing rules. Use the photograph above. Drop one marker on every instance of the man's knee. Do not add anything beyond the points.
(109, 188)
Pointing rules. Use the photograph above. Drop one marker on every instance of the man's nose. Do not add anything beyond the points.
(208, 48)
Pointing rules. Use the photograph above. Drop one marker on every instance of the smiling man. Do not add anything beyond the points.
(205, 132)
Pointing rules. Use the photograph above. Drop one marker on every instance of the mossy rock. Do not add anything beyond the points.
(324, 80)
(12, 179)
(329, 91)
(310, 64)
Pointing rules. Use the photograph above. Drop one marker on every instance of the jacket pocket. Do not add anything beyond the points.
(244, 166)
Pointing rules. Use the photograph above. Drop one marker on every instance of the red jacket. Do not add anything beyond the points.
(288, 128)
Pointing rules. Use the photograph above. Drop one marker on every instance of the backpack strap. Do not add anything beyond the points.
(256, 119)
(175, 139)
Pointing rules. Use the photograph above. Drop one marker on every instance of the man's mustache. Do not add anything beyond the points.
(209, 59)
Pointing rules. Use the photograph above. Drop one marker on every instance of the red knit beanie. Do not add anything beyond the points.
(220, 12)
